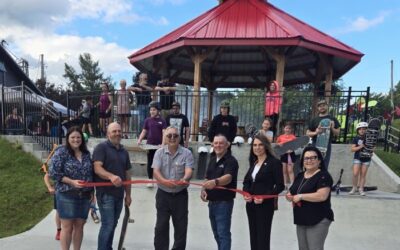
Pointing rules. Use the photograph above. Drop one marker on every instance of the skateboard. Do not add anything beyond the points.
(323, 138)
(125, 222)
(251, 130)
(147, 147)
(291, 145)
(371, 138)
(366, 188)
(337, 186)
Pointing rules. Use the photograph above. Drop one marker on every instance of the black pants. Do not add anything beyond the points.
(175, 206)
(260, 221)
(150, 156)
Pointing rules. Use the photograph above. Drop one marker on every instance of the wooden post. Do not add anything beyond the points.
(328, 83)
(210, 105)
(197, 60)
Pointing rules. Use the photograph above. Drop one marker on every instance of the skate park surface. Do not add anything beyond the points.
(363, 223)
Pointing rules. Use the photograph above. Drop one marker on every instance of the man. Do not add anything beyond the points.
(167, 95)
(172, 163)
(143, 98)
(314, 128)
(180, 121)
(111, 163)
(222, 171)
(224, 124)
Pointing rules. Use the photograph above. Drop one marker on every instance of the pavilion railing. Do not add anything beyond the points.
(247, 105)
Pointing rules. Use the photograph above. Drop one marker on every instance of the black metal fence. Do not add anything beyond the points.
(247, 105)
(25, 113)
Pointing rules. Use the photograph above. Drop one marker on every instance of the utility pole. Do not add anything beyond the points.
(42, 77)
(392, 89)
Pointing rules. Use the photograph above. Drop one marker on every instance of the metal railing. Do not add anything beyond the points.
(23, 112)
(247, 105)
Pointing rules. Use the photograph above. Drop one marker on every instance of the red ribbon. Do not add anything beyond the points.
(178, 182)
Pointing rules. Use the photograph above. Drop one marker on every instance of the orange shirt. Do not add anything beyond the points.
(285, 138)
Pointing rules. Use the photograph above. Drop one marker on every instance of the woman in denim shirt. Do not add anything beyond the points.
(70, 166)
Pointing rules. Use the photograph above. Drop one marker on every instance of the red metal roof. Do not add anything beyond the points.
(247, 22)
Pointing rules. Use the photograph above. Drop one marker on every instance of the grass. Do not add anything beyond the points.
(23, 198)
(390, 159)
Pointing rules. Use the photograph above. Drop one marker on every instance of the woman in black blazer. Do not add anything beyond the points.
(263, 177)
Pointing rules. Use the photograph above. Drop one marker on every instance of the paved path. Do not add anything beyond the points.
(361, 223)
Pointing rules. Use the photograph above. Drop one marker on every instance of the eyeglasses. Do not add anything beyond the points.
(311, 158)
(172, 136)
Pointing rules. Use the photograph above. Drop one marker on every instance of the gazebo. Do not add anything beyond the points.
(245, 43)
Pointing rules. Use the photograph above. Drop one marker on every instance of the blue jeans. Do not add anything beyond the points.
(110, 208)
(220, 214)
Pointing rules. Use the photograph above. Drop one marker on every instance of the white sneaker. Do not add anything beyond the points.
(362, 193)
(150, 185)
(352, 191)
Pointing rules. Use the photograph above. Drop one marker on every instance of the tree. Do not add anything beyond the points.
(52, 92)
(90, 77)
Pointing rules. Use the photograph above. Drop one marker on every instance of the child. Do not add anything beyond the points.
(85, 115)
(265, 130)
(289, 158)
(51, 191)
(153, 128)
(93, 210)
(360, 164)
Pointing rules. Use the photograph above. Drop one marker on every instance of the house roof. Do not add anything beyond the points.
(10, 64)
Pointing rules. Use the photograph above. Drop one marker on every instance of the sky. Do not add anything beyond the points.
(111, 30)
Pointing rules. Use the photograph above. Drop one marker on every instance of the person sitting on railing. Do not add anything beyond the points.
(273, 103)
(13, 122)
(166, 90)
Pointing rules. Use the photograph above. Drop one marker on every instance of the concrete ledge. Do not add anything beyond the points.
(382, 174)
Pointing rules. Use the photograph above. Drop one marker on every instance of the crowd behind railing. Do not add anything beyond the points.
(93, 110)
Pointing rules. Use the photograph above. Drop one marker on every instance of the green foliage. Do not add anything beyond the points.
(90, 77)
(390, 159)
(52, 92)
(23, 198)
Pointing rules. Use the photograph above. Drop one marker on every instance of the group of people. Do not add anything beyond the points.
(172, 164)
(145, 92)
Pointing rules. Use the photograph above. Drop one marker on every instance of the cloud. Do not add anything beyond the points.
(59, 49)
(162, 2)
(361, 24)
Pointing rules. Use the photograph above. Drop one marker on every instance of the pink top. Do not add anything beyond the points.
(123, 102)
(273, 101)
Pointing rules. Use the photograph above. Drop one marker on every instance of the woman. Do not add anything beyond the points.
(123, 108)
(310, 194)
(70, 166)
(105, 106)
(263, 177)
(13, 122)
(273, 103)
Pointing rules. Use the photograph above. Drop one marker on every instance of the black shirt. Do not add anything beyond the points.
(226, 165)
(116, 161)
(225, 125)
(166, 99)
(314, 123)
(179, 121)
(144, 97)
(311, 213)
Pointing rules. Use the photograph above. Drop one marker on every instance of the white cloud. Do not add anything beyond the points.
(361, 24)
(59, 49)
(161, 2)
